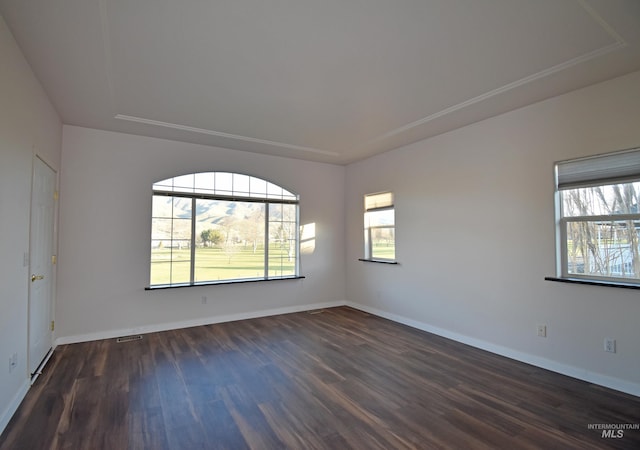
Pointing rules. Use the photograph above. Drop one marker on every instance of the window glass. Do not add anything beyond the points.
(599, 231)
(224, 183)
(183, 183)
(379, 227)
(282, 238)
(170, 245)
(383, 243)
(274, 191)
(229, 240)
(241, 184)
(207, 235)
(603, 249)
(601, 200)
(204, 182)
(258, 187)
(379, 218)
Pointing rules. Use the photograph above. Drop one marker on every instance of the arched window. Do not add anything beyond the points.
(221, 227)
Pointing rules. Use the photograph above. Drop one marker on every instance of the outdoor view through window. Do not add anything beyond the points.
(379, 227)
(218, 226)
(600, 227)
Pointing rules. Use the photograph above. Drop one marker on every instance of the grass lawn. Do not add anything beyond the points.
(214, 264)
(384, 251)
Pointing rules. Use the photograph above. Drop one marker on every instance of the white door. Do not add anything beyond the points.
(41, 262)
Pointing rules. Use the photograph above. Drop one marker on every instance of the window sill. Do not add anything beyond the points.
(215, 283)
(614, 284)
(379, 261)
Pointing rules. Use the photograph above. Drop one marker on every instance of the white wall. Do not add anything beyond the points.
(105, 220)
(28, 126)
(475, 236)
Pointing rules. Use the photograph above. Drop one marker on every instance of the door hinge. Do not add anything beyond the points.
(54, 259)
(53, 325)
(56, 195)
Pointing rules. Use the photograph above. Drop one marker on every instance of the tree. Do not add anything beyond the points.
(606, 247)
(282, 228)
(627, 199)
(251, 227)
(211, 237)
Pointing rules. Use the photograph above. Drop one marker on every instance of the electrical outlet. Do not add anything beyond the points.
(204, 299)
(609, 345)
(542, 330)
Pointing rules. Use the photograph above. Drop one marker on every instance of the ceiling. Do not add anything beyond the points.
(327, 80)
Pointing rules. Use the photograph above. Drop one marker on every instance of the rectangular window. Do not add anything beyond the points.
(379, 227)
(171, 240)
(229, 240)
(599, 217)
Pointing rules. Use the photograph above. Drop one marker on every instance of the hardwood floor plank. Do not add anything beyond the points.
(220, 428)
(146, 429)
(249, 419)
(335, 379)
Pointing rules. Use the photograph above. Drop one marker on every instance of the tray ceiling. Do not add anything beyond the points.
(332, 80)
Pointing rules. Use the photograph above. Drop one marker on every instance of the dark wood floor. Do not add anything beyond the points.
(338, 379)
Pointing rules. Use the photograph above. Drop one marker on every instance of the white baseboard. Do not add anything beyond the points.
(110, 334)
(8, 413)
(554, 366)
(39, 370)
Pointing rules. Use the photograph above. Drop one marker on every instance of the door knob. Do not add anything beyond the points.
(36, 277)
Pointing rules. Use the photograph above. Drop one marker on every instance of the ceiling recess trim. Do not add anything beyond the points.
(618, 44)
(223, 135)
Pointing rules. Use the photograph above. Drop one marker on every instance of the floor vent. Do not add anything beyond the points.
(316, 311)
(136, 337)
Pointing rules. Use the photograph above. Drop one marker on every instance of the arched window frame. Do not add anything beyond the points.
(180, 227)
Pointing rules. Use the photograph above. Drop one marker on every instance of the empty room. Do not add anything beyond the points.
(319, 224)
